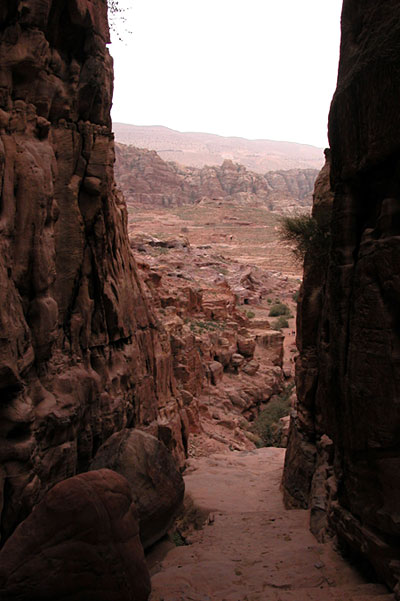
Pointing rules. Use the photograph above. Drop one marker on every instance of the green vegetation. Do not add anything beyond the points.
(279, 309)
(250, 314)
(267, 425)
(199, 327)
(306, 236)
(177, 538)
(296, 295)
(280, 323)
(159, 250)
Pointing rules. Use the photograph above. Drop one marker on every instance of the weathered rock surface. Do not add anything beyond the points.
(146, 179)
(225, 371)
(81, 354)
(156, 484)
(80, 543)
(348, 378)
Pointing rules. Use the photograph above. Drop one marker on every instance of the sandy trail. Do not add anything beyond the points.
(252, 549)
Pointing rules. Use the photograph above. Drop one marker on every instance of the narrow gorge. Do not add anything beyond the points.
(133, 366)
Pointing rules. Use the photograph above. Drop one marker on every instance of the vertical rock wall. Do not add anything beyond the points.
(81, 354)
(349, 371)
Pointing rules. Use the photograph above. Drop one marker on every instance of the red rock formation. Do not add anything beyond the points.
(348, 378)
(81, 354)
(80, 542)
(146, 179)
(156, 484)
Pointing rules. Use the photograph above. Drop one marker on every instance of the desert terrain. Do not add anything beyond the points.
(199, 149)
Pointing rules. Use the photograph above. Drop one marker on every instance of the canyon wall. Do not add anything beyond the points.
(344, 456)
(146, 179)
(81, 353)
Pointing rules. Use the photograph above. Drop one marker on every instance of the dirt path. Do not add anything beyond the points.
(252, 549)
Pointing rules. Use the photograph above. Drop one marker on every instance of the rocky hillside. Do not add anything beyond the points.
(146, 179)
(200, 149)
(343, 457)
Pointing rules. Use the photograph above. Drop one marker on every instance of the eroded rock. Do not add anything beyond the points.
(78, 339)
(80, 542)
(156, 484)
(147, 179)
(347, 373)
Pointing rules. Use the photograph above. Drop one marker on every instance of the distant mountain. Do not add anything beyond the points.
(200, 149)
(146, 179)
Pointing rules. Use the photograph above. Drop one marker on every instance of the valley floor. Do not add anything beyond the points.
(251, 548)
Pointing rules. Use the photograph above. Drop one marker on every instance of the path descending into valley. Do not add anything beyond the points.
(251, 548)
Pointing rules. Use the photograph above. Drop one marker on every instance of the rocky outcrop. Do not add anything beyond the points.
(81, 353)
(80, 542)
(146, 179)
(348, 379)
(156, 484)
(300, 457)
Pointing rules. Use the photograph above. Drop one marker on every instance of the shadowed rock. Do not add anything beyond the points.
(157, 485)
(80, 543)
(348, 373)
(78, 338)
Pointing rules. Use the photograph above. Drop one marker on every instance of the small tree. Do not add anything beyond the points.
(306, 236)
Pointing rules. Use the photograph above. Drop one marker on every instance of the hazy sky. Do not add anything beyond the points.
(250, 68)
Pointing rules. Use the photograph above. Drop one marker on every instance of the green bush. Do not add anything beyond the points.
(279, 309)
(280, 323)
(306, 236)
(250, 314)
(199, 327)
(267, 425)
(296, 295)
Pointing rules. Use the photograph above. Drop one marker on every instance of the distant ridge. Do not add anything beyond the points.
(199, 149)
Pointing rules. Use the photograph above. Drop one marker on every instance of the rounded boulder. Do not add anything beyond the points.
(156, 483)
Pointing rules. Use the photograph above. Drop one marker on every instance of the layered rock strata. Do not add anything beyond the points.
(146, 179)
(346, 434)
(81, 354)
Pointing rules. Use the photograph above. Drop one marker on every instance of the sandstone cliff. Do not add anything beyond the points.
(343, 455)
(81, 354)
(146, 179)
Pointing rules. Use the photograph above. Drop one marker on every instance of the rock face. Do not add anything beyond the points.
(81, 543)
(81, 354)
(145, 178)
(156, 484)
(348, 372)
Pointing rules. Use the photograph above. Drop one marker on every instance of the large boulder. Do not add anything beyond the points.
(156, 483)
(80, 543)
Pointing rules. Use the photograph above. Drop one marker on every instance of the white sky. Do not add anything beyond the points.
(250, 68)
